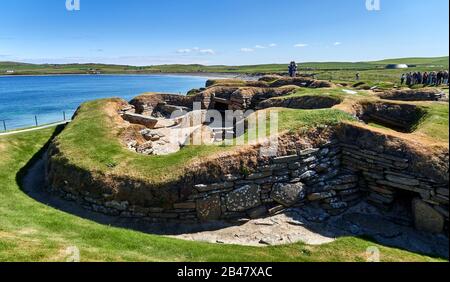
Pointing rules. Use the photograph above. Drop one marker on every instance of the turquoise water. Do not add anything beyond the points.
(47, 97)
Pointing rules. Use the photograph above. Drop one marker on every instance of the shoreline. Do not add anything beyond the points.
(183, 74)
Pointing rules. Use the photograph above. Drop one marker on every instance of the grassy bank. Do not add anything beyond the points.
(31, 231)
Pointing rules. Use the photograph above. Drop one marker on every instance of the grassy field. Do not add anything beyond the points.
(325, 70)
(435, 124)
(31, 231)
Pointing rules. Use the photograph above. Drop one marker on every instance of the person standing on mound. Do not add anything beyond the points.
(293, 69)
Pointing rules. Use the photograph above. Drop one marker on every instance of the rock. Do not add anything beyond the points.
(308, 152)
(402, 180)
(288, 194)
(314, 214)
(276, 209)
(399, 186)
(309, 160)
(244, 198)
(231, 177)
(259, 175)
(320, 196)
(213, 187)
(442, 191)
(335, 205)
(257, 212)
(385, 199)
(354, 229)
(426, 218)
(345, 186)
(146, 148)
(121, 206)
(185, 206)
(285, 159)
(307, 175)
(322, 167)
(209, 208)
(163, 148)
(324, 151)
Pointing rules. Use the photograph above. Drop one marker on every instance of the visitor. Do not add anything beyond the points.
(408, 79)
(433, 79)
(293, 69)
(358, 77)
(402, 79)
(419, 78)
(446, 77)
(425, 78)
(414, 78)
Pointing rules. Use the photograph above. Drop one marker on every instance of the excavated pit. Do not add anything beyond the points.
(399, 117)
(425, 94)
(303, 102)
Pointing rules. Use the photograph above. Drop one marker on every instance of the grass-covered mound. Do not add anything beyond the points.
(31, 231)
(92, 142)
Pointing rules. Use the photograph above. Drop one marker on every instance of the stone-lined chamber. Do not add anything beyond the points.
(351, 164)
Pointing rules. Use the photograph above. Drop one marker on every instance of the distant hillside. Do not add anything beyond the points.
(36, 69)
(438, 61)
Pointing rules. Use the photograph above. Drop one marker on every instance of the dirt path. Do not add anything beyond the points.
(32, 129)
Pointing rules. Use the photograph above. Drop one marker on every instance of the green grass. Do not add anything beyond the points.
(31, 231)
(337, 93)
(435, 123)
(337, 70)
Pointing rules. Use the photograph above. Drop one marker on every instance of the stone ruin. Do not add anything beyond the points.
(332, 168)
(168, 119)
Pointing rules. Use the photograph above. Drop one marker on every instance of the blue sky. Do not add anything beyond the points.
(232, 32)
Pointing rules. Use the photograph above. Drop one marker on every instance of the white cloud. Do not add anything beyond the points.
(260, 47)
(273, 45)
(196, 50)
(301, 45)
(247, 50)
(184, 51)
(207, 51)
(337, 43)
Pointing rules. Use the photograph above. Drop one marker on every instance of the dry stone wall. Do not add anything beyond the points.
(353, 165)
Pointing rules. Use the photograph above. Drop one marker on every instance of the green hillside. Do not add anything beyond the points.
(36, 69)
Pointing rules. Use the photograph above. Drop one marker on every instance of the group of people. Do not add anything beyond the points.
(426, 78)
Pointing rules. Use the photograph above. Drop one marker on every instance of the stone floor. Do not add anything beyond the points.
(314, 227)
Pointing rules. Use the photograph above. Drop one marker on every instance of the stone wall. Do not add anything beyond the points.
(352, 165)
(311, 175)
(388, 173)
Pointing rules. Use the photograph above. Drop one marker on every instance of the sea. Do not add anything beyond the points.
(27, 100)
